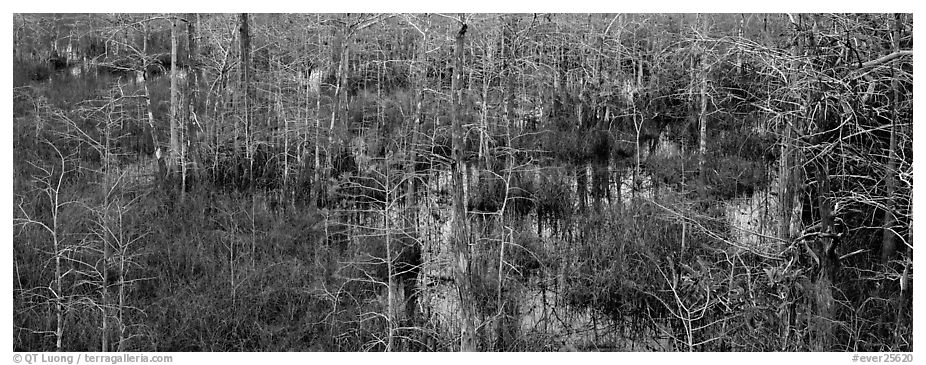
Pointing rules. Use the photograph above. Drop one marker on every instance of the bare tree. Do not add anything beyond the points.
(52, 187)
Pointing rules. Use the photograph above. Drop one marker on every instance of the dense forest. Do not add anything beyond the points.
(462, 182)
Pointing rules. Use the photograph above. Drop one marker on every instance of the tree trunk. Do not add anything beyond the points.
(787, 179)
(484, 133)
(158, 155)
(827, 245)
(702, 117)
(193, 85)
(245, 55)
(461, 238)
(390, 270)
(888, 246)
(341, 49)
(315, 189)
(106, 225)
(504, 331)
(788, 171)
(411, 283)
(174, 156)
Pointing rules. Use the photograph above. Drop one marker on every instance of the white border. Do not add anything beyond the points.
(568, 6)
